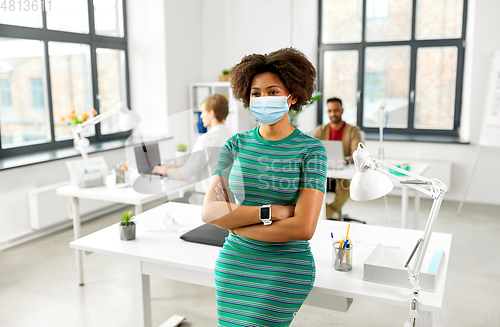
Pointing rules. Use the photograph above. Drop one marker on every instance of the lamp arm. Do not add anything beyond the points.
(78, 139)
(97, 119)
(399, 170)
(436, 205)
(436, 186)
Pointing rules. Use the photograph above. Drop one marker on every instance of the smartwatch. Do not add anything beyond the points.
(265, 214)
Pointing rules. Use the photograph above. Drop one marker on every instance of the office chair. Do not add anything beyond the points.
(329, 193)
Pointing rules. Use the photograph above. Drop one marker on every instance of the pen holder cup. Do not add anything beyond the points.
(121, 177)
(342, 258)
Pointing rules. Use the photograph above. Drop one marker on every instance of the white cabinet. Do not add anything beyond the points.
(238, 120)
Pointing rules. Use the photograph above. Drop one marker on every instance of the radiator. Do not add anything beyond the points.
(47, 209)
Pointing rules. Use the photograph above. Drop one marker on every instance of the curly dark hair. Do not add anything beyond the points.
(292, 67)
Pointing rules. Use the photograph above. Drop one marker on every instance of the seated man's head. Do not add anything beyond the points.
(214, 110)
(334, 110)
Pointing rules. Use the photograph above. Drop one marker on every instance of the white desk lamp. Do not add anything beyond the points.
(127, 120)
(370, 182)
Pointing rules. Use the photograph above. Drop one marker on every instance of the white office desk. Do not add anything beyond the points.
(415, 167)
(111, 193)
(164, 254)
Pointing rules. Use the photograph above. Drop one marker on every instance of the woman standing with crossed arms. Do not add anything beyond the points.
(274, 178)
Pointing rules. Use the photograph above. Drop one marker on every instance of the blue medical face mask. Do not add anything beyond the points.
(269, 109)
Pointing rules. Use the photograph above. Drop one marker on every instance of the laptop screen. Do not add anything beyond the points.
(146, 157)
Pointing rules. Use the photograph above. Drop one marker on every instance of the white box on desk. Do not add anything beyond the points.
(386, 265)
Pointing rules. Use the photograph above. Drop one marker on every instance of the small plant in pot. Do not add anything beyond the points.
(225, 76)
(127, 227)
(181, 154)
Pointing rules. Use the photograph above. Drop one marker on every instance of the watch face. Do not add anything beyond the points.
(264, 213)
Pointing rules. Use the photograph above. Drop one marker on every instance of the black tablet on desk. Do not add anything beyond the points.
(206, 234)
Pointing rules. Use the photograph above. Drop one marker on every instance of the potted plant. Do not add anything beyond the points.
(181, 153)
(74, 119)
(127, 227)
(225, 76)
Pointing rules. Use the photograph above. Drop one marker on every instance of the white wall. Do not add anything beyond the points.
(147, 61)
(165, 56)
(184, 60)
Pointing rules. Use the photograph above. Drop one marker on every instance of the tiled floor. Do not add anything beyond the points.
(38, 280)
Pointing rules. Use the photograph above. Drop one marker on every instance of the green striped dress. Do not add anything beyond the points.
(265, 283)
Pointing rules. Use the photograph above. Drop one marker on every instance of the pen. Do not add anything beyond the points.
(121, 172)
(345, 243)
(343, 251)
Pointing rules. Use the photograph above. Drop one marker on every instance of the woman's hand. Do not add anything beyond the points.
(220, 196)
(277, 212)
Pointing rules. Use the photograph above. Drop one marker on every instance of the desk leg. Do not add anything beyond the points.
(417, 209)
(404, 205)
(142, 297)
(77, 233)
(138, 209)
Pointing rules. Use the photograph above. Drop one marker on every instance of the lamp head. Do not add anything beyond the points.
(367, 183)
(127, 119)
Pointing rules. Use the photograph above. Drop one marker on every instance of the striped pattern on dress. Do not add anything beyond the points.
(265, 283)
(256, 286)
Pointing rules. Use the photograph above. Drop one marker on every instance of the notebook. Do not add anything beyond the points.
(206, 234)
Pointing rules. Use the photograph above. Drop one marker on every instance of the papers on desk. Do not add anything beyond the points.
(386, 265)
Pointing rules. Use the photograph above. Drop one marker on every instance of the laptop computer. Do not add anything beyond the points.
(206, 234)
(146, 157)
(334, 153)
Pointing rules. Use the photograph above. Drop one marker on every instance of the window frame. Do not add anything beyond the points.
(91, 39)
(414, 44)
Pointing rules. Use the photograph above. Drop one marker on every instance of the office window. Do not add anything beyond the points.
(71, 81)
(409, 55)
(387, 72)
(342, 22)
(435, 89)
(11, 15)
(68, 16)
(342, 67)
(377, 9)
(111, 78)
(68, 60)
(38, 101)
(388, 20)
(22, 62)
(5, 97)
(108, 17)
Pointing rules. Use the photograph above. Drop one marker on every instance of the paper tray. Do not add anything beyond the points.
(386, 265)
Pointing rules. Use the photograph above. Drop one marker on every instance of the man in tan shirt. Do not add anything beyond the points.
(338, 130)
